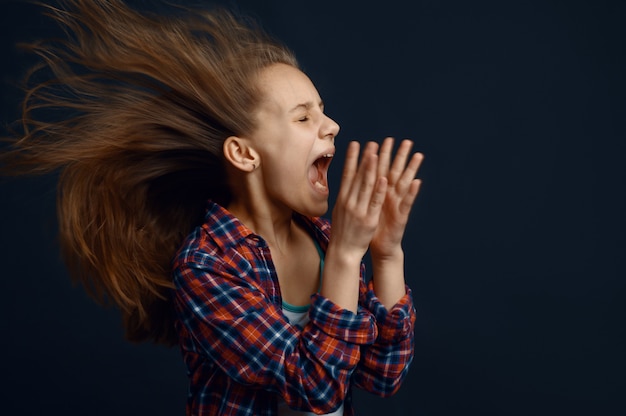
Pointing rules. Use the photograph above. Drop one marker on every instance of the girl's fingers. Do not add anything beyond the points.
(384, 157)
(371, 148)
(363, 179)
(378, 197)
(407, 202)
(399, 163)
(408, 175)
(366, 180)
(349, 169)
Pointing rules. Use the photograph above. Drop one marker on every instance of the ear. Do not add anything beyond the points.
(240, 154)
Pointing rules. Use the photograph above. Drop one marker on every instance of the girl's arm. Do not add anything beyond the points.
(385, 363)
(386, 245)
(355, 219)
(372, 210)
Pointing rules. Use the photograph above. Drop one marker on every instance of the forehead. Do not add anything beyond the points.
(284, 87)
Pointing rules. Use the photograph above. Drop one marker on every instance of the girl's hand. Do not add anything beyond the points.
(355, 218)
(359, 202)
(401, 191)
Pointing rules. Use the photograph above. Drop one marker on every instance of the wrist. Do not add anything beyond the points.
(344, 255)
(393, 256)
(388, 277)
(341, 277)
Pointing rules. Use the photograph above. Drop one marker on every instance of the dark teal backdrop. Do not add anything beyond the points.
(516, 249)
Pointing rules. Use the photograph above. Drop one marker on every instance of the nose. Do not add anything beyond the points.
(329, 128)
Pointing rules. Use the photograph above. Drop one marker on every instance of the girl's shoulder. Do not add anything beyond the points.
(219, 233)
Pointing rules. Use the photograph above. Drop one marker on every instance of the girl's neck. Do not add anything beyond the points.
(276, 226)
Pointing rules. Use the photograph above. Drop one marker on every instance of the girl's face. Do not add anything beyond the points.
(294, 140)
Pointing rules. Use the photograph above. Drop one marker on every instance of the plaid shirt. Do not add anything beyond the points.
(241, 352)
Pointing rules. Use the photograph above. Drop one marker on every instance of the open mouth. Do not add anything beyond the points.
(318, 172)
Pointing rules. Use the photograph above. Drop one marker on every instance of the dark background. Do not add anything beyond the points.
(516, 248)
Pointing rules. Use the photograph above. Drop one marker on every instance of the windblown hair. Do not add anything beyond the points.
(131, 110)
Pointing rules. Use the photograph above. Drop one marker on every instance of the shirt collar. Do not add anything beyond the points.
(227, 230)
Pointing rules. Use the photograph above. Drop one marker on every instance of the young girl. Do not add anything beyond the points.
(193, 156)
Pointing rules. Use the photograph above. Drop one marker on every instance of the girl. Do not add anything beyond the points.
(193, 158)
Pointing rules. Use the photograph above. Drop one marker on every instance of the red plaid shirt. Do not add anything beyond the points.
(241, 352)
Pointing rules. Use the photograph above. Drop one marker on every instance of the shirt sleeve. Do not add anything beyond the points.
(238, 328)
(385, 363)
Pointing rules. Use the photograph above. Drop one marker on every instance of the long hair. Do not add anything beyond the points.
(131, 110)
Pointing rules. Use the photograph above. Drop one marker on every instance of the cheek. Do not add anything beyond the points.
(285, 177)
(289, 174)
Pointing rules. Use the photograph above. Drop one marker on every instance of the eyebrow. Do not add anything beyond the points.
(306, 106)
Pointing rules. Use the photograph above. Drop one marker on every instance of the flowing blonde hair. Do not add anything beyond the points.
(132, 113)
